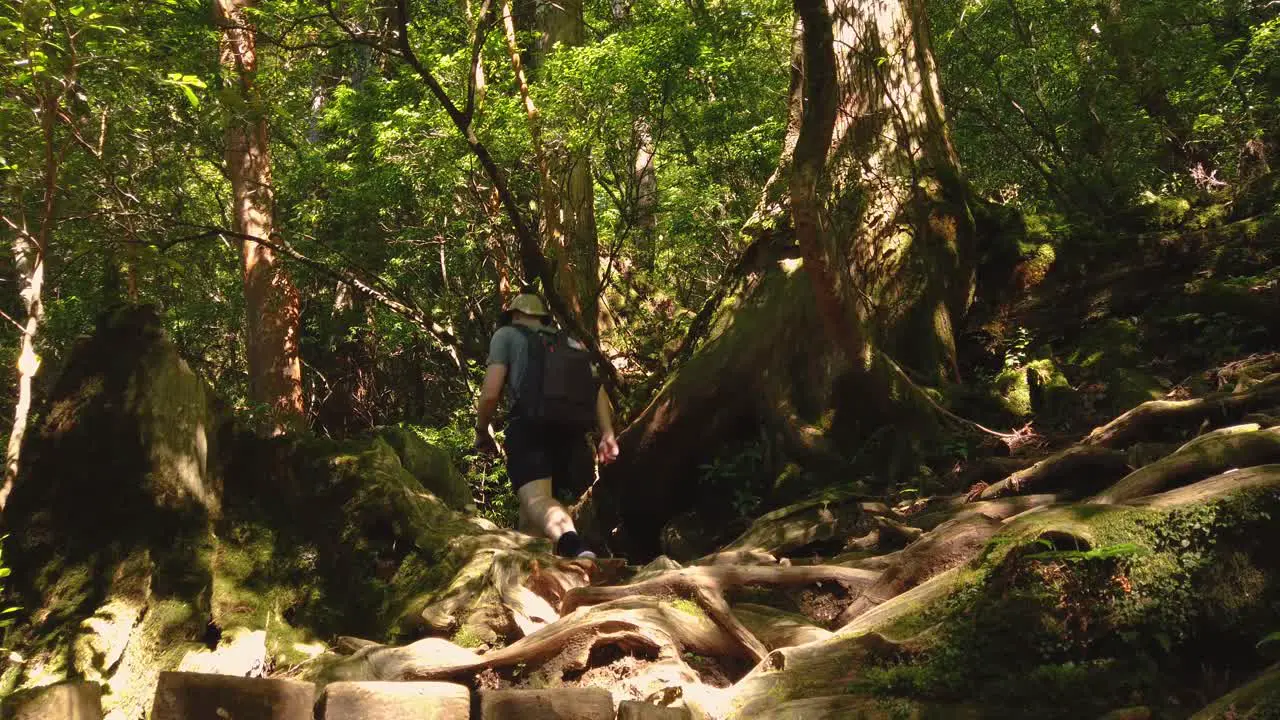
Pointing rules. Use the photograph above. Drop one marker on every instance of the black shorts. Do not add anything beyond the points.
(536, 451)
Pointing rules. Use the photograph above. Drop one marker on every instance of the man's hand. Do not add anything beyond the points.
(607, 448)
(486, 444)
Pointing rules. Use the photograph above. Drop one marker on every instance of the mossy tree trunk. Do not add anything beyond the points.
(870, 189)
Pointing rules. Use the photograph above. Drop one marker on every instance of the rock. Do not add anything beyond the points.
(431, 465)
(634, 710)
(118, 491)
(396, 701)
(197, 696)
(64, 701)
(561, 704)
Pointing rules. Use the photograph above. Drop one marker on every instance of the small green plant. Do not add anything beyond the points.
(8, 613)
(486, 475)
(739, 477)
(1016, 352)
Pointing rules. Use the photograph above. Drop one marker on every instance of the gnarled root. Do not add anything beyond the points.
(796, 526)
(1263, 476)
(1150, 419)
(706, 585)
(947, 546)
(506, 589)
(1197, 459)
(635, 624)
(1080, 468)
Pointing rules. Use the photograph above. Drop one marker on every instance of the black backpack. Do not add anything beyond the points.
(558, 387)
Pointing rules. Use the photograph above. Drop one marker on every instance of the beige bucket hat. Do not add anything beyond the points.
(529, 304)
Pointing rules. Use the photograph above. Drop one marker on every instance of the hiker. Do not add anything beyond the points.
(553, 400)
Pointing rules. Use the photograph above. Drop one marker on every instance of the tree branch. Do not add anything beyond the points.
(412, 313)
(532, 260)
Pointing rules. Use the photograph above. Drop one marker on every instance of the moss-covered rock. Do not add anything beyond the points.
(112, 518)
(431, 465)
(133, 556)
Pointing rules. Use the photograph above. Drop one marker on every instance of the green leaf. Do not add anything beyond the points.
(1272, 638)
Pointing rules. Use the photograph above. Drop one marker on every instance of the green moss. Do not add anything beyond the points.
(689, 607)
(1162, 211)
(1257, 700)
(1073, 611)
(466, 637)
(1014, 391)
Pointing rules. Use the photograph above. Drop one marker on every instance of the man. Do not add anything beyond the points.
(538, 451)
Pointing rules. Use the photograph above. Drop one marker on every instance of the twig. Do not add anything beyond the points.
(1008, 437)
(16, 324)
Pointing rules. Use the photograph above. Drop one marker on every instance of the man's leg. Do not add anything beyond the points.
(544, 515)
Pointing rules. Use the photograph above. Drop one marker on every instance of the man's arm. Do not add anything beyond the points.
(607, 450)
(487, 404)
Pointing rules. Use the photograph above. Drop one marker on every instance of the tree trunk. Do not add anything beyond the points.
(576, 255)
(870, 178)
(645, 179)
(271, 302)
(29, 257)
(552, 231)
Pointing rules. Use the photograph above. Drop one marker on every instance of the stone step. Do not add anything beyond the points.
(199, 696)
(395, 701)
(560, 704)
(64, 701)
(635, 710)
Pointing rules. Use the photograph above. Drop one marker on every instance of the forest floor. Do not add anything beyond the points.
(1125, 538)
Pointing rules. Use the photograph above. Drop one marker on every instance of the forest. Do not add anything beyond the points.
(939, 338)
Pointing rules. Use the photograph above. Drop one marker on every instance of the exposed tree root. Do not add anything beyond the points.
(1150, 420)
(949, 545)
(507, 589)
(707, 585)
(1080, 469)
(808, 669)
(635, 624)
(794, 527)
(1197, 459)
(991, 469)
(1002, 509)
(778, 629)
(886, 535)
(1263, 476)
